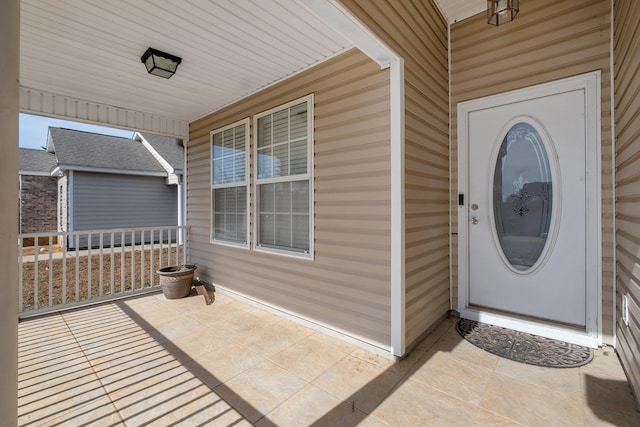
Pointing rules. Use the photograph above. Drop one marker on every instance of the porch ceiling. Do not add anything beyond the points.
(457, 10)
(80, 59)
(90, 50)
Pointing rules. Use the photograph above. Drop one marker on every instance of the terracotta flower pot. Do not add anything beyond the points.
(176, 280)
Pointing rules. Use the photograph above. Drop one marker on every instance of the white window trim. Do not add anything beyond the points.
(212, 186)
(309, 99)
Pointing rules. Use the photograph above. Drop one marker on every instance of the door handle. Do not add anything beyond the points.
(474, 220)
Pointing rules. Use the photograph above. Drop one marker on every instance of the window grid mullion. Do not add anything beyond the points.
(292, 178)
(229, 185)
(233, 157)
(289, 142)
(271, 148)
(275, 217)
(224, 211)
(222, 158)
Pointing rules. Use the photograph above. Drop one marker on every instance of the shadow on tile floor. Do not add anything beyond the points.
(156, 362)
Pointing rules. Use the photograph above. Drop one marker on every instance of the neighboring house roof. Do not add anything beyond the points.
(77, 150)
(36, 162)
(169, 149)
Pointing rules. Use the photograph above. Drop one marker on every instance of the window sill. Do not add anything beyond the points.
(229, 244)
(282, 252)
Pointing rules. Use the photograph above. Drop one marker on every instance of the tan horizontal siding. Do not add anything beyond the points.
(418, 33)
(346, 287)
(549, 40)
(627, 150)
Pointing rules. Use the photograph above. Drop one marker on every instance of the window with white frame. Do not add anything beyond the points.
(283, 152)
(229, 184)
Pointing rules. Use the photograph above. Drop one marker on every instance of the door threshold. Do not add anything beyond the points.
(573, 335)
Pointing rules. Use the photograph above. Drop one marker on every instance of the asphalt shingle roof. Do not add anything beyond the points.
(168, 148)
(36, 160)
(86, 149)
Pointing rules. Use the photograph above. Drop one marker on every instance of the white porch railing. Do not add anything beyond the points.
(69, 269)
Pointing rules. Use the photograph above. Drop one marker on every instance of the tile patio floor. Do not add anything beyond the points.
(152, 361)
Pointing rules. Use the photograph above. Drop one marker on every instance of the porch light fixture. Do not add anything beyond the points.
(159, 63)
(502, 11)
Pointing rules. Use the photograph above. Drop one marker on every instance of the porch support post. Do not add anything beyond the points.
(341, 19)
(398, 316)
(9, 109)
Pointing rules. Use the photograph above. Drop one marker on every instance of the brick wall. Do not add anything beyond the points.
(38, 203)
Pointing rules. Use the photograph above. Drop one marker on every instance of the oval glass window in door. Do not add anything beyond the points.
(522, 196)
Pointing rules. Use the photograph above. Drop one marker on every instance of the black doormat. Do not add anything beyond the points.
(523, 347)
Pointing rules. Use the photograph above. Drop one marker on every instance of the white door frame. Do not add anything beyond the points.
(592, 335)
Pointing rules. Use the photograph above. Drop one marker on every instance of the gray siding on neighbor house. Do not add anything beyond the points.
(418, 33)
(627, 103)
(347, 286)
(549, 40)
(106, 201)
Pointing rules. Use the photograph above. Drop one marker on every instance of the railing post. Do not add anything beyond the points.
(184, 245)
(20, 275)
(36, 273)
(153, 257)
(50, 249)
(77, 243)
(64, 268)
(123, 286)
(133, 262)
(89, 285)
(111, 261)
(142, 270)
(101, 261)
(161, 247)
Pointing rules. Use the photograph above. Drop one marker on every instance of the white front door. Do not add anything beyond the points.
(529, 218)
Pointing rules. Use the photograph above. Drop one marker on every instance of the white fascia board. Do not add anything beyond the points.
(138, 137)
(340, 19)
(458, 10)
(108, 170)
(34, 173)
(43, 103)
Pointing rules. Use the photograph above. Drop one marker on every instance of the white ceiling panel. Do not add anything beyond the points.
(84, 55)
(457, 10)
(90, 50)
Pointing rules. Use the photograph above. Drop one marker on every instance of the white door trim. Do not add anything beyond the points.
(592, 335)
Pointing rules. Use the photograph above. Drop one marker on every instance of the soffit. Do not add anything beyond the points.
(457, 10)
(90, 50)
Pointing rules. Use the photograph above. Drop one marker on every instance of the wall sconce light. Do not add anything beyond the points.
(159, 63)
(502, 11)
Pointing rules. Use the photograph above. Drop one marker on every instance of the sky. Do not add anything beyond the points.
(34, 130)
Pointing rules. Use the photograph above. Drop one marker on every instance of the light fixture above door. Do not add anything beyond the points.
(160, 63)
(502, 11)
